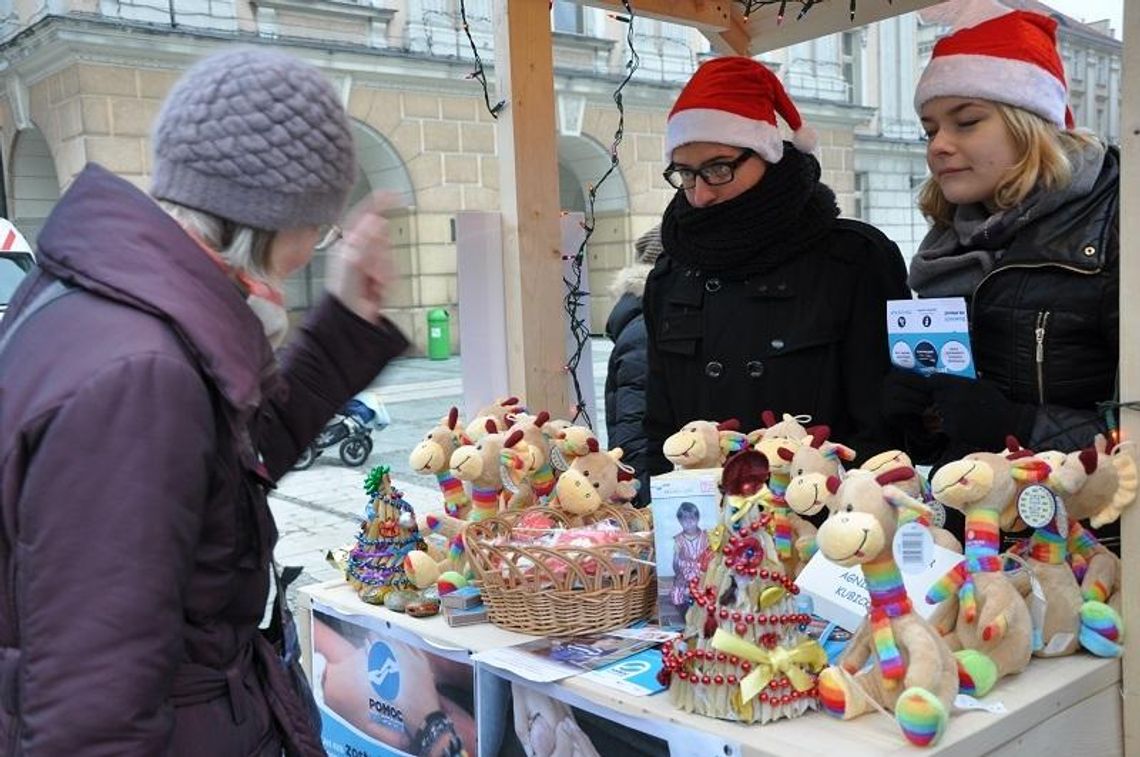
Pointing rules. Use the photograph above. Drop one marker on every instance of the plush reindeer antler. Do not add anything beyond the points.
(768, 418)
(452, 417)
(731, 424)
(819, 435)
(894, 475)
(1088, 457)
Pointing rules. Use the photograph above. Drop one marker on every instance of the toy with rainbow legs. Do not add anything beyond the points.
(1092, 484)
(810, 466)
(432, 456)
(704, 444)
(501, 411)
(915, 486)
(794, 536)
(594, 479)
(914, 674)
(526, 459)
(478, 464)
(982, 614)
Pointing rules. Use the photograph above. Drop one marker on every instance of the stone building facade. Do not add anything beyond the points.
(82, 80)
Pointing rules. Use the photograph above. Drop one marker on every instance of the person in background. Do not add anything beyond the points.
(144, 416)
(627, 370)
(1024, 213)
(763, 298)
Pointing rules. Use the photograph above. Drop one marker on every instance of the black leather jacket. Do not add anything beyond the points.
(1045, 321)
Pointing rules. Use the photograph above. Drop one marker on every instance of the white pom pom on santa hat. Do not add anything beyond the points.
(734, 100)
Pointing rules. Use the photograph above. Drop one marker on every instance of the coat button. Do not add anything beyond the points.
(755, 369)
(781, 286)
(714, 369)
(1090, 251)
(777, 344)
(712, 285)
(762, 288)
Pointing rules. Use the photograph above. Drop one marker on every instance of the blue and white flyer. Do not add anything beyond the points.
(930, 336)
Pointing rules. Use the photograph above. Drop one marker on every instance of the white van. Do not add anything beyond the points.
(15, 261)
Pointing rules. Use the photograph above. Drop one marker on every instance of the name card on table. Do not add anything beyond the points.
(839, 594)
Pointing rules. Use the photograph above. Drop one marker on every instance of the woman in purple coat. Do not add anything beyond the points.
(143, 416)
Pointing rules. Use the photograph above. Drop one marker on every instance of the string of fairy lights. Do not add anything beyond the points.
(751, 6)
(574, 301)
(480, 73)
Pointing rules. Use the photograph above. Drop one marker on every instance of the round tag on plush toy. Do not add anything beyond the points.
(1036, 505)
(507, 476)
(913, 547)
(558, 460)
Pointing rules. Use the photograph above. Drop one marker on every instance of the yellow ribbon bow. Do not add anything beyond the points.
(744, 505)
(797, 663)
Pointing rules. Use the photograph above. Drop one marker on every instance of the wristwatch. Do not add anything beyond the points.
(436, 726)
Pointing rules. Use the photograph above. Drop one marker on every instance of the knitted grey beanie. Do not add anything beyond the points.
(256, 137)
(648, 245)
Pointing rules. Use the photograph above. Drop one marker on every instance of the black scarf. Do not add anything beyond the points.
(756, 231)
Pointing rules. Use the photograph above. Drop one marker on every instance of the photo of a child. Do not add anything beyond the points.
(688, 546)
(686, 507)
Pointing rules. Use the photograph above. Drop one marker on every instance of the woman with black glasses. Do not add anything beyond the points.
(763, 297)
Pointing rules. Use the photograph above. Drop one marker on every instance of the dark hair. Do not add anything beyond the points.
(688, 508)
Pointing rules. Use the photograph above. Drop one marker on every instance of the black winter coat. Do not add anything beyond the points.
(807, 337)
(141, 420)
(1045, 322)
(627, 372)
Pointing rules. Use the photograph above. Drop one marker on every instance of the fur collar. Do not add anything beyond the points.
(631, 280)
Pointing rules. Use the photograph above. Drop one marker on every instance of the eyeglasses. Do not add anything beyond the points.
(713, 174)
(330, 235)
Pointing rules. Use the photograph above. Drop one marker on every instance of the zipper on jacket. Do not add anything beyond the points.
(1039, 335)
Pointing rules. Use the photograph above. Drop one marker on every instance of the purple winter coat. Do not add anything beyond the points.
(134, 527)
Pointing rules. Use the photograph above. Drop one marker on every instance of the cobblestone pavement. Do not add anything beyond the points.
(321, 508)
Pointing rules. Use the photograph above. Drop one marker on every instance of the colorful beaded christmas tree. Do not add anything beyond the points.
(745, 655)
(388, 534)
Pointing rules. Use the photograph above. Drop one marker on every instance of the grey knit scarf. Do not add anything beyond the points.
(952, 260)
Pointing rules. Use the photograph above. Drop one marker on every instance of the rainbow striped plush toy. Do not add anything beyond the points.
(914, 673)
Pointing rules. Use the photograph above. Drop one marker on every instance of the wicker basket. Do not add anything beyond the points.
(564, 591)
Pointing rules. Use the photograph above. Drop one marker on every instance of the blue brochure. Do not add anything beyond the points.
(930, 336)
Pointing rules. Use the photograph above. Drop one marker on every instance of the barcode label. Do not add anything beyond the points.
(913, 548)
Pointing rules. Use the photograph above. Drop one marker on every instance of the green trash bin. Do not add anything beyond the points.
(439, 334)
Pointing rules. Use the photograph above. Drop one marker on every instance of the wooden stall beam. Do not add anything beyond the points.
(528, 171)
(1130, 359)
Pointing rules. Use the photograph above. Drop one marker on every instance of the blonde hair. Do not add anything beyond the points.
(1044, 163)
(242, 247)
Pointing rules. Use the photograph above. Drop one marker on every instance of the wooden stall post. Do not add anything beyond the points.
(528, 171)
(1130, 358)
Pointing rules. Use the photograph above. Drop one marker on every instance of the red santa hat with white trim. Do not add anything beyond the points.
(734, 101)
(1003, 56)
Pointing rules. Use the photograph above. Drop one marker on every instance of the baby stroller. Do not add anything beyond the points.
(351, 428)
